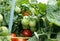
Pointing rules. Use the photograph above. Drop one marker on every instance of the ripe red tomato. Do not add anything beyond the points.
(14, 39)
(18, 39)
(13, 35)
(26, 33)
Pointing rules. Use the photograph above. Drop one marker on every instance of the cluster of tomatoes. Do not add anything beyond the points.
(24, 33)
(14, 38)
(26, 21)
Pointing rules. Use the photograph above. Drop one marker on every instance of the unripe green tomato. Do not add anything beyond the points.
(32, 29)
(32, 23)
(36, 18)
(3, 31)
(17, 9)
(25, 21)
(1, 18)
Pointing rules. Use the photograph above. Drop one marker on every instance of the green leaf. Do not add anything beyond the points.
(53, 14)
(58, 36)
(54, 17)
(5, 11)
(18, 2)
(58, 3)
(33, 39)
(42, 7)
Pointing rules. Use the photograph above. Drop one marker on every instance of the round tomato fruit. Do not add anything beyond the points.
(3, 31)
(13, 35)
(26, 33)
(14, 39)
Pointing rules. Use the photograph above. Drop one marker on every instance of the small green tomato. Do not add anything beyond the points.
(32, 23)
(25, 21)
(3, 31)
(17, 9)
(1, 18)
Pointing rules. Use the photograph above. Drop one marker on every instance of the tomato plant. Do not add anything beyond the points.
(45, 18)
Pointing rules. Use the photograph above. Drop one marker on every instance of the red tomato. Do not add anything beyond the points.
(26, 33)
(13, 35)
(18, 39)
(14, 39)
(21, 39)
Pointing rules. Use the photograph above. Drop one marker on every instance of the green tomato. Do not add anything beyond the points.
(36, 18)
(3, 31)
(1, 18)
(25, 21)
(32, 23)
(32, 29)
(17, 9)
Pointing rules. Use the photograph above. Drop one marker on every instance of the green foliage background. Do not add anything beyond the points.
(51, 14)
